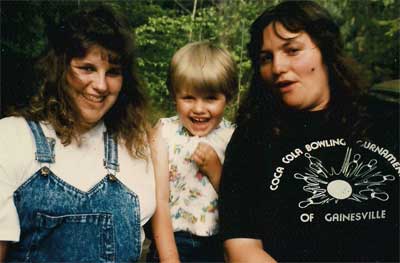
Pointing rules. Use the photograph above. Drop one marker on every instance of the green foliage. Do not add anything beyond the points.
(370, 29)
(157, 41)
(371, 34)
(225, 24)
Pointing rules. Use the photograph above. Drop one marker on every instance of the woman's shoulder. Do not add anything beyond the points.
(17, 149)
(383, 121)
(18, 127)
(13, 126)
(15, 134)
(12, 120)
(250, 136)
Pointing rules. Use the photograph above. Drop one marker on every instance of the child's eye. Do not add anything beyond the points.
(187, 97)
(211, 97)
(265, 58)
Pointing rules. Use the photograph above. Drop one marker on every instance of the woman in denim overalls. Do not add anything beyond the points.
(76, 181)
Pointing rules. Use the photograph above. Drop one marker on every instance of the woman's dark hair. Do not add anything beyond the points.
(345, 86)
(72, 38)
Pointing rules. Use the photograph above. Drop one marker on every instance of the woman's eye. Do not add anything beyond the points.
(292, 51)
(211, 98)
(114, 72)
(87, 68)
(265, 59)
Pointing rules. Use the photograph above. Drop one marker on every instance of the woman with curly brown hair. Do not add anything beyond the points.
(76, 178)
(311, 172)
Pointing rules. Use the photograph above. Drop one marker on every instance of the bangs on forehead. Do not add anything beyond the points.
(198, 86)
(291, 27)
(111, 56)
(82, 49)
(202, 68)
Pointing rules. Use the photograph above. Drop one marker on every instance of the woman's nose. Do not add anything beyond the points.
(280, 64)
(99, 82)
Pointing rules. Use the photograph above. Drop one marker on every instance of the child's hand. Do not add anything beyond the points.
(208, 162)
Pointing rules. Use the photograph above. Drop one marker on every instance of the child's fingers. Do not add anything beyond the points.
(203, 153)
(203, 147)
(200, 149)
(198, 158)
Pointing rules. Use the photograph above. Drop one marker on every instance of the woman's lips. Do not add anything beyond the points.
(93, 98)
(285, 86)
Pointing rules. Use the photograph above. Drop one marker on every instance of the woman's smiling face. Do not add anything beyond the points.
(93, 86)
(292, 65)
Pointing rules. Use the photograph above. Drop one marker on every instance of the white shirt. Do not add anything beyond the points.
(17, 164)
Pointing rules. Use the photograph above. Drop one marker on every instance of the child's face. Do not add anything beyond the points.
(200, 113)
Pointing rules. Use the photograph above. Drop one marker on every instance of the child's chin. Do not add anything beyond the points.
(200, 133)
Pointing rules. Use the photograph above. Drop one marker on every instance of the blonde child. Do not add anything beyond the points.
(189, 152)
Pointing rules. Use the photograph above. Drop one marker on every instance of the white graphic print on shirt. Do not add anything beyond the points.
(365, 181)
(360, 177)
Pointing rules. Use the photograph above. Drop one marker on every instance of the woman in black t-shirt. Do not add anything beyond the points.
(311, 173)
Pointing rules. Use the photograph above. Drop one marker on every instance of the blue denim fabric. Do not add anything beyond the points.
(192, 248)
(60, 223)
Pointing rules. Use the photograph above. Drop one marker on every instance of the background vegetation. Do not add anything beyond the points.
(370, 29)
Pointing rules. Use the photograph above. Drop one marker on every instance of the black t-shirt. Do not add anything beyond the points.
(313, 195)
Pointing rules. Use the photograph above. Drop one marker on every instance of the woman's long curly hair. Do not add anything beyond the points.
(261, 106)
(72, 38)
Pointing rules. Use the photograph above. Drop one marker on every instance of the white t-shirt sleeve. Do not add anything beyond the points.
(16, 150)
(9, 223)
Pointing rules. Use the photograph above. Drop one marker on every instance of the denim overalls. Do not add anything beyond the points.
(60, 223)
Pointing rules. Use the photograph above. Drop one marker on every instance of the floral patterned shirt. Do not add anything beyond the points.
(193, 200)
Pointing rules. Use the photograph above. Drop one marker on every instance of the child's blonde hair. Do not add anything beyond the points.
(203, 67)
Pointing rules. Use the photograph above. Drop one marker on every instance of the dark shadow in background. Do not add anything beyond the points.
(23, 38)
(19, 31)
(16, 80)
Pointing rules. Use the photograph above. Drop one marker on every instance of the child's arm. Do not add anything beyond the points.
(161, 221)
(208, 161)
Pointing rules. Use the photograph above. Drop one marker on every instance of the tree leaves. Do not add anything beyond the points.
(370, 29)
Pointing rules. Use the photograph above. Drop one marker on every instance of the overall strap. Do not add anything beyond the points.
(44, 146)
(110, 154)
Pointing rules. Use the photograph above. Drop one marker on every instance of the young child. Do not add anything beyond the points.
(189, 152)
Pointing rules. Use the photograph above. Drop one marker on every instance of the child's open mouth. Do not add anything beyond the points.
(199, 120)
